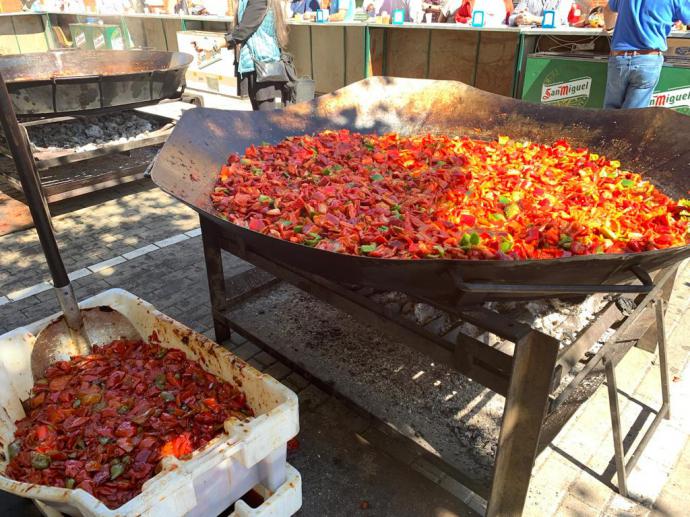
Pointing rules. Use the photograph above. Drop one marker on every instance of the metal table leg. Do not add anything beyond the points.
(210, 237)
(614, 409)
(525, 409)
(663, 357)
(624, 469)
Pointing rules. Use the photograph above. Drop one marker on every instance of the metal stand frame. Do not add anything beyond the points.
(623, 469)
(527, 374)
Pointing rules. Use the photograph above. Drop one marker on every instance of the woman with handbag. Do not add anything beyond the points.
(259, 35)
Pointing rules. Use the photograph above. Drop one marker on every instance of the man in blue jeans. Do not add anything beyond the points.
(639, 41)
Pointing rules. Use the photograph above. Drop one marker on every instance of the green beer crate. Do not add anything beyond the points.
(579, 79)
(107, 37)
(565, 80)
(673, 90)
(96, 36)
(82, 35)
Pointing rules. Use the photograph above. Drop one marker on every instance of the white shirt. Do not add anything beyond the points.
(411, 7)
(494, 12)
(537, 8)
(450, 6)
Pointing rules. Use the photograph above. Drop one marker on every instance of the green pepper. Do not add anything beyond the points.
(76, 403)
(565, 241)
(315, 238)
(367, 248)
(512, 210)
(160, 381)
(116, 470)
(14, 448)
(70, 482)
(103, 440)
(40, 461)
(122, 409)
(167, 396)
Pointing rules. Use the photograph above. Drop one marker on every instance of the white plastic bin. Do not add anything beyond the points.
(251, 454)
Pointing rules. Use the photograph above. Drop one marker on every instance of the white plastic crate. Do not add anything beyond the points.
(251, 454)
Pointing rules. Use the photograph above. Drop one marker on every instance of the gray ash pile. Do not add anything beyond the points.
(441, 409)
(89, 133)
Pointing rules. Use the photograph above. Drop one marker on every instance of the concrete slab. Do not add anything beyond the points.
(343, 475)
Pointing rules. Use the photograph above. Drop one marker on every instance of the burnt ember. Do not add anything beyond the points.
(89, 133)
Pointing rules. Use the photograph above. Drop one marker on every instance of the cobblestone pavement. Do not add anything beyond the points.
(138, 238)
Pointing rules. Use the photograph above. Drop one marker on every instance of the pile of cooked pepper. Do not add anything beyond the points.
(102, 422)
(420, 197)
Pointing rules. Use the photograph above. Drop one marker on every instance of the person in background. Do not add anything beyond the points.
(181, 7)
(530, 12)
(412, 8)
(496, 12)
(432, 8)
(639, 41)
(304, 6)
(259, 35)
(449, 8)
(343, 10)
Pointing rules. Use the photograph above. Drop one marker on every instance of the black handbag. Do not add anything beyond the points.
(271, 72)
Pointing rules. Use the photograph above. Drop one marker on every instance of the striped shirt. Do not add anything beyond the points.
(537, 8)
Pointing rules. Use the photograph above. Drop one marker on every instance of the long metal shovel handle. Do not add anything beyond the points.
(26, 168)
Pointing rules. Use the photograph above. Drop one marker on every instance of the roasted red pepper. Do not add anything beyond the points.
(430, 196)
(102, 422)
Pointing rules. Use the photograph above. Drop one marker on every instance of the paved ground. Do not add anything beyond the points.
(138, 238)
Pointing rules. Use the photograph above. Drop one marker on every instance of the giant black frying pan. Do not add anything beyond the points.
(651, 141)
(77, 81)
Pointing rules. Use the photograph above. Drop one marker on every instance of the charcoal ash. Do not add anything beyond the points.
(441, 409)
(561, 319)
(89, 133)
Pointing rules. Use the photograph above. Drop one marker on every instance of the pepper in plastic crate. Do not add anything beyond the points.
(102, 422)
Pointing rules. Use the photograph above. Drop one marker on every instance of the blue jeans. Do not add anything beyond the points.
(631, 80)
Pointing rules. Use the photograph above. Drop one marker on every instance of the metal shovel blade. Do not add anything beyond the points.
(58, 342)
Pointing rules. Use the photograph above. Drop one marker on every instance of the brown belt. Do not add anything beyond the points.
(645, 52)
